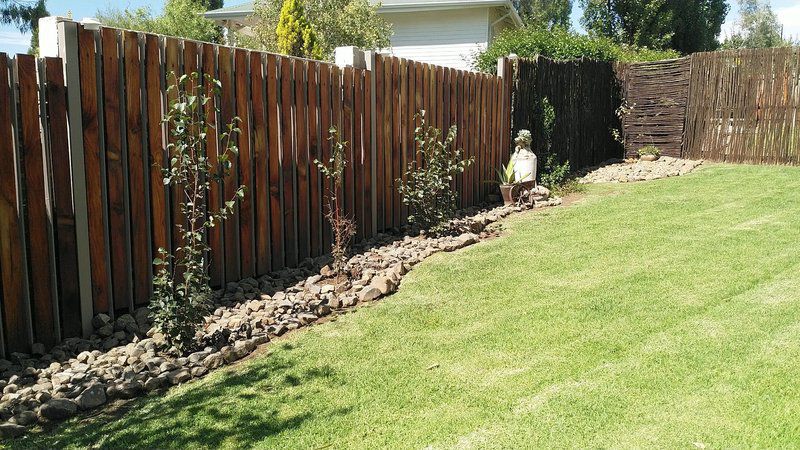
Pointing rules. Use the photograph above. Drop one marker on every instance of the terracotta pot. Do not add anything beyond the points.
(505, 191)
(648, 157)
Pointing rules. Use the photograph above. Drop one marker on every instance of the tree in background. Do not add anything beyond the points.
(180, 18)
(561, 44)
(335, 23)
(683, 25)
(294, 34)
(757, 28)
(546, 13)
(25, 16)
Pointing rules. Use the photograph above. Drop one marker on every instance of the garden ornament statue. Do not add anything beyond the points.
(523, 159)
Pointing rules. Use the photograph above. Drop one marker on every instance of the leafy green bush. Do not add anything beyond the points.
(181, 291)
(427, 190)
(554, 174)
(561, 44)
(649, 150)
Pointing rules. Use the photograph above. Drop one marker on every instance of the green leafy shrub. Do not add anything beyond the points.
(343, 228)
(649, 150)
(427, 190)
(181, 291)
(554, 174)
(561, 44)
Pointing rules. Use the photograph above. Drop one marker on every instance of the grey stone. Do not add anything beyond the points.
(11, 430)
(156, 383)
(92, 397)
(369, 294)
(100, 320)
(384, 284)
(58, 409)
(214, 360)
(25, 418)
(179, 376)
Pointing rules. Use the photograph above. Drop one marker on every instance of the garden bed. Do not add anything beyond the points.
(122, 361)
(629, 170)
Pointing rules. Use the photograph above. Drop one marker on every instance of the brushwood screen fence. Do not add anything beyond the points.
(82, 205)
(744, 106)
(583, 96)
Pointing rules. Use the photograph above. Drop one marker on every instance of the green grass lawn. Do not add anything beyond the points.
(658, 314)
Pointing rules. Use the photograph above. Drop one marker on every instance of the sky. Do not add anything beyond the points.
(12, 41)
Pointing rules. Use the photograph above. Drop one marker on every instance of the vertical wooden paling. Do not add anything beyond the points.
(396, 136)
(261, 158)
(117, 220)
(274, 161)
(315, 205)
(172, 73)
(301, 158)
(347, 137)
(14, 302)
(94, 161)
(245, 164)
(380, 169)
(287, 163)
(137, 171)
(406, 84)
(358, 152)
(325, 124)
(388, 195)
(231, 181)
(336, 107)
(36, 208)
(367, 130)
(215, 237)
(68, 289)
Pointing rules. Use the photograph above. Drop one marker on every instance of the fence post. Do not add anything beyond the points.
(369, 56)
(505, 70)
(353, 57)
(67, 46)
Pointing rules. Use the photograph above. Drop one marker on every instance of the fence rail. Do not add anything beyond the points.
(82, 205)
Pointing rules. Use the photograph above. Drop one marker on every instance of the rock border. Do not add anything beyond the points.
(121, 359)
(631, 170)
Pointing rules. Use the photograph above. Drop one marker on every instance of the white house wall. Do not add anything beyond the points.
(448, 38)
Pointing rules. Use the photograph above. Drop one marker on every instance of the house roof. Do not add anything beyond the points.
(246, 9)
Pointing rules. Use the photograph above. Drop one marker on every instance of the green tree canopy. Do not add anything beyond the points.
(546, 13)
(24, 15)
(562, 44)
(181, 18)
(757, 28)
(335, 23)
(294, 34)
(683, 25)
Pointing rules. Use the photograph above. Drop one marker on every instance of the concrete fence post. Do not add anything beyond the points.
(353, 57)
(58, 37)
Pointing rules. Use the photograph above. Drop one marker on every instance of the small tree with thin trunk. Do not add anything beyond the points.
(182, 294)
(343, 227)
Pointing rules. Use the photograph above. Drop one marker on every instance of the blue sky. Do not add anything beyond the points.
(11, 41)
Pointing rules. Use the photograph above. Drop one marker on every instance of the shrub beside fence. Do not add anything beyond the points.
(83, 208)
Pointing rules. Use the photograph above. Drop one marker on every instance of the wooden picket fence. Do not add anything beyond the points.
(83, 208)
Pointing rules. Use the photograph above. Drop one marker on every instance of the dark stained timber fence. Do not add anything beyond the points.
(744, 106)
(654, 112)
(83, 209)
(583, 95)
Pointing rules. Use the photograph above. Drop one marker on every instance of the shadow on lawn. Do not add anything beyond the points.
(239, 408)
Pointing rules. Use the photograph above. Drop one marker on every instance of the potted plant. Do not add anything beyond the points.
(649, 153)
(507, 179)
